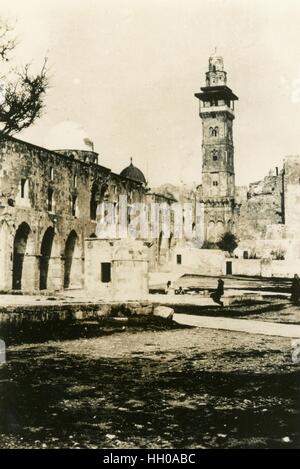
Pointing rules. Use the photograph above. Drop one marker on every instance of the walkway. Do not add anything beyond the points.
(239, 325)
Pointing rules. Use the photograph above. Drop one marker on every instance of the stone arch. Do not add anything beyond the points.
(72, 261)
(214, 154)
(20, 247)
(220, 229)
(210, 234)
(97, 195)
(45, 257)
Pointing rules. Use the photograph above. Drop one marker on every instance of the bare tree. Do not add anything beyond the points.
(21, 96)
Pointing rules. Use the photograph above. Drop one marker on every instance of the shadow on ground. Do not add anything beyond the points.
(49, 398)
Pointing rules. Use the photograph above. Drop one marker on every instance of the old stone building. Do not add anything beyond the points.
(48, 207)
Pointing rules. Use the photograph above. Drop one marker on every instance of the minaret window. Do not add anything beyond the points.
(214, 155)
(215, 183)
(214, 131)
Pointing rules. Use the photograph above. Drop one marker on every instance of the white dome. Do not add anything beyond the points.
(68, 135)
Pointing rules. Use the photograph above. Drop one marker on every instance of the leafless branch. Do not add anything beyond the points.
(7, 44)
(23, 102)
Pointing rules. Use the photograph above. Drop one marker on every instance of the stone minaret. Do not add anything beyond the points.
(218, 187)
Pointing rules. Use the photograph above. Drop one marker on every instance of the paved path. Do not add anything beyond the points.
(79, 296)
(240, 325)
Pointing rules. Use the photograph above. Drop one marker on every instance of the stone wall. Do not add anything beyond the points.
(266, 267)
(199, 261)
(48, 205)
(117, 269)
(292, 193)
(259, 207)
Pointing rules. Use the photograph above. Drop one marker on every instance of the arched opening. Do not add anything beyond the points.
(219, 230)
(214, 154)
(211, 231)
(93, 235)
(97, 196)
(20, 244)
(46, 248)
(69, 271)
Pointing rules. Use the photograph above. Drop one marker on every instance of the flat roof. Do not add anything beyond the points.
(216, 92)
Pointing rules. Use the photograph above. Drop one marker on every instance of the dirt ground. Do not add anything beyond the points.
(168, 388)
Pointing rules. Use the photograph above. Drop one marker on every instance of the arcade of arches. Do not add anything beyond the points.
(53, 265)
(215, 230)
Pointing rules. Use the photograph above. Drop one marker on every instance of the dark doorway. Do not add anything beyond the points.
(46, 248)
(179, 259)
(69, 254)
(228, 268)
(20, 243)
(105, 272)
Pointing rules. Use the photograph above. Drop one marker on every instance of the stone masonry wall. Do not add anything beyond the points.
(44, 238)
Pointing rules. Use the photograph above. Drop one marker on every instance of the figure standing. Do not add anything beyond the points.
(169, 289)
(295, 290)
(216, 295)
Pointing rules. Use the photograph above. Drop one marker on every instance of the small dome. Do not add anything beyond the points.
(68, 134)
(134, 173)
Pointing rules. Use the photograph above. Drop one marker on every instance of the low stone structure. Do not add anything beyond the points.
(117, 269)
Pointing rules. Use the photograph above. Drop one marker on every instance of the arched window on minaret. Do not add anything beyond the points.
(214, 131)
(214, 155)
(211, 131)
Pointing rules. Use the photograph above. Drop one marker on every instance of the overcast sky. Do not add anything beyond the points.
(127, 71)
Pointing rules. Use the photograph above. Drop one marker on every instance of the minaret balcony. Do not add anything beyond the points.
(213, 109)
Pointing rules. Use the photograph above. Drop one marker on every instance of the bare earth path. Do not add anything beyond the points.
(180, 388)
(241, 325)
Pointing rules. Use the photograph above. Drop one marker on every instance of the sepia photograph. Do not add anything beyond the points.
(149, 227)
